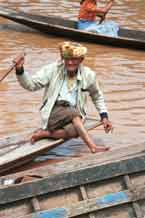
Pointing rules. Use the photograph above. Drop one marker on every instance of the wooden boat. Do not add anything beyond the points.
(67, 28)
(110, 185)
(17, 150)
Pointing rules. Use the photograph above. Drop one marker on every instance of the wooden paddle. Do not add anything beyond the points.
(18, 59)
(108, 7)
(102, 19)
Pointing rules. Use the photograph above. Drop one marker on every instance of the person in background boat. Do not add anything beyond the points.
(66, 83)
(87, 18)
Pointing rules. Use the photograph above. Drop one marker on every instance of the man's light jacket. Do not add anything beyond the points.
(51, 78)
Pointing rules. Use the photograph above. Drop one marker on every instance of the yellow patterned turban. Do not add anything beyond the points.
(72, 50)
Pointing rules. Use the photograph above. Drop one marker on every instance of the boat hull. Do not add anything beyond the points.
(103, 185)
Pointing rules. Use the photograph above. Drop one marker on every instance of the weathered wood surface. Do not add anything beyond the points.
(65, 28)
(114, 155)
(85, 196)
(107, 185)
(79, 172)
(96, 204)
(88, 205)
(19, 154)
(132, 188)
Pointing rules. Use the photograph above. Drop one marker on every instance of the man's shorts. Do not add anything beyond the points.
(61, 118)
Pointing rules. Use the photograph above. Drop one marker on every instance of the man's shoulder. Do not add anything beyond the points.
(51, 69)
(87, 71)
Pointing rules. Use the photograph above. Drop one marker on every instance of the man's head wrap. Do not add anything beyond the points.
(72, 50)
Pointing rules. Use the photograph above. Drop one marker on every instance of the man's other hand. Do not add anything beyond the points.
(107, 125)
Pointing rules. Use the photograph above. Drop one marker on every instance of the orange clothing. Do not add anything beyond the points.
(88, 11)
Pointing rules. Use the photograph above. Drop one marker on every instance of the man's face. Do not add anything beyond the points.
(72, 65)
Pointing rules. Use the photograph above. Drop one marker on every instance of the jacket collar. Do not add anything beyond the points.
(79, 76)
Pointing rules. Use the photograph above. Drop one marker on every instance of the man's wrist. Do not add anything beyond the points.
(104, 115)
(20, 70)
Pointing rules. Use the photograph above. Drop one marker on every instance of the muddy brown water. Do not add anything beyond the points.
(121, 72)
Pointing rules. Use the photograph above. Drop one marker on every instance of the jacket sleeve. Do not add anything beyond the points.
(97, 96)
(38, 80)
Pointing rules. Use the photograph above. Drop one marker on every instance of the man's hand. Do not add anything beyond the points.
(107, 125)
(103, 17)
(19, 61)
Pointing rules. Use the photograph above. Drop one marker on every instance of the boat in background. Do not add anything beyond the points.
(58, 26)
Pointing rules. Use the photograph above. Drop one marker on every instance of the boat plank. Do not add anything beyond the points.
(24, 153)
(27, 149)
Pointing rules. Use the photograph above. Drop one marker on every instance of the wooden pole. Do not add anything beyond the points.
(18, 59)
(11, 68)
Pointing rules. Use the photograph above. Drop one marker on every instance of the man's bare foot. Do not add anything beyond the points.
(99, 149)
(37, 130)
(39, 134)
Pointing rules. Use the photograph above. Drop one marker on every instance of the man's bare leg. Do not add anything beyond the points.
(59, 134)
(41, 134)
(78, 124)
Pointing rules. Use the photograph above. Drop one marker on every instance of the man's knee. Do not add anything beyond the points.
(70, 131)
(77, 120)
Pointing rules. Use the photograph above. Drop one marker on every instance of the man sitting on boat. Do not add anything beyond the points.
(87, 18)
(66, 83)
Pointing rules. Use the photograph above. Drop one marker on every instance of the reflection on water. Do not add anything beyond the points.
(120, 70)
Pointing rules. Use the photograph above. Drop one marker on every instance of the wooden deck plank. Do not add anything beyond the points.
(25, 153)
(14, 139)
(27, 149)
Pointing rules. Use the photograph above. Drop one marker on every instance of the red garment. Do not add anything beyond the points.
(88, 11)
